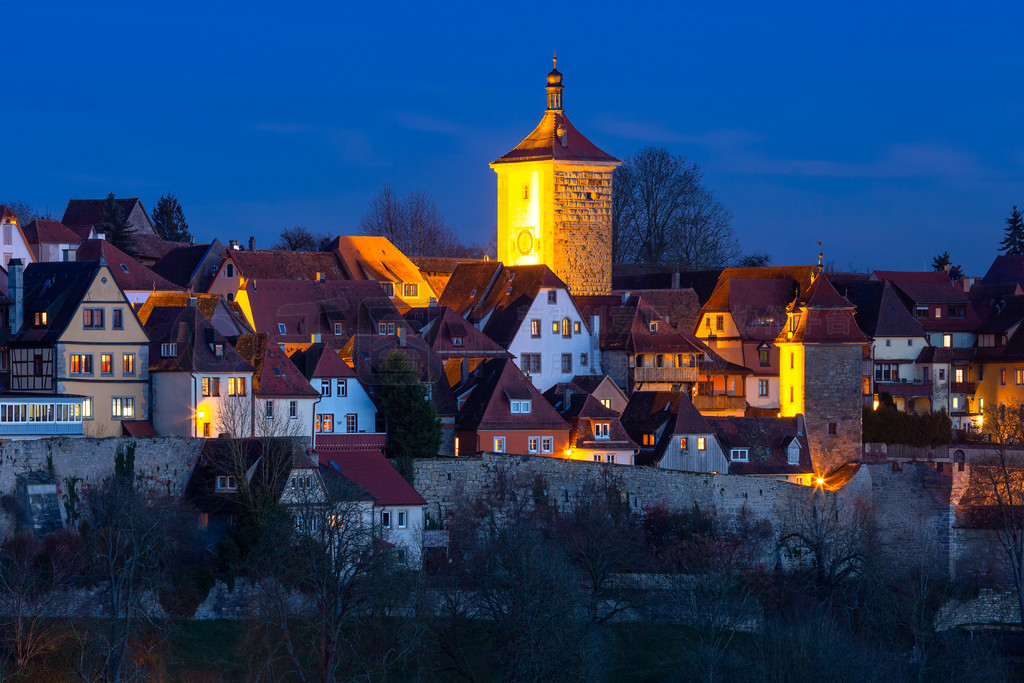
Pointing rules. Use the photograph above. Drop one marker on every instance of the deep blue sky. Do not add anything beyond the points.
(890, 131)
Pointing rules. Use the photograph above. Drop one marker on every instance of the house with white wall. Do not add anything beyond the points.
(529, 311)
(345, 406)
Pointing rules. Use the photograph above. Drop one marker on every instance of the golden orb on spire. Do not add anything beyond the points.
(555, 76)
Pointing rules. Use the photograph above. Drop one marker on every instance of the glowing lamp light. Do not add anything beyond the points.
(568, 452)
(821, 481)
(200, 414)
(874, 404)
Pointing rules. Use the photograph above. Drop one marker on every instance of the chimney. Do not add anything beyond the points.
(16, 290)
(233, 244)
(252, 243)
(191, 301)
(675, 280)
(433, 302)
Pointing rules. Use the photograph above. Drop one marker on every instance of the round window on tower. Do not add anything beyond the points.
(524, 242)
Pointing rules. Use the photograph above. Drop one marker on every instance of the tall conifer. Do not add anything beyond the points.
(1013, 234)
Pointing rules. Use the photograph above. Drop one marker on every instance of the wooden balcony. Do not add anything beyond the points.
(711, 404)
(668, 375)
(962, 387)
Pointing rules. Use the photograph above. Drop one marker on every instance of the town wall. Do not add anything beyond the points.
(163, 463)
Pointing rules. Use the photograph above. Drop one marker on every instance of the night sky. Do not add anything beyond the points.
(889, 131)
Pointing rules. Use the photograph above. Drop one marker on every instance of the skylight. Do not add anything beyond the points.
(124, 267)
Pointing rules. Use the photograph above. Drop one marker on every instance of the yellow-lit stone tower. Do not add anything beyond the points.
(555, 201)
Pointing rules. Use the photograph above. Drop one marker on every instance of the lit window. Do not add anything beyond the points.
(499, 444)
(410, 290)
(533, 444)
(40, 318)
(653, 327)
(106, 363)
(566, 328)
(204, 520)
(87, 408)
(701, 443)
(577, 327)
(648, 439)
(325, 423)
(947, 340)
(81, 363)
(129, 363)
(739, 454)
(122, 407)
(547, 444)
(554, 327)
(535, 328)
(684, 443)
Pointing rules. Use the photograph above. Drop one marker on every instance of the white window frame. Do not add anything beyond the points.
(533, 444)
(499, 444)
(739, 455)
(547, 444)
(403, 519)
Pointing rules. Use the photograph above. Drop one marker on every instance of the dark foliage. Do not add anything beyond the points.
(889, 425)
(169, 220)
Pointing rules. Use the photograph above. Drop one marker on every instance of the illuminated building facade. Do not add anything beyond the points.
(555, 201)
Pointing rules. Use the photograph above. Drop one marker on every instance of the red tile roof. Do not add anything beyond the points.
(281, 264)
(82, 214)
(140, 429)
(374, 474)
(825, 318)
(154, 247)
(490, 389)
(440, 326)
(374, 258)
(42, 231)
(544, 143)
(195, 338)
(767, 440)
(669, 412)
(275, 375)
(321, 360)
(129, 273)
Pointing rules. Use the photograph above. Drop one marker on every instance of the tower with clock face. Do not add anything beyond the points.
(555, 201)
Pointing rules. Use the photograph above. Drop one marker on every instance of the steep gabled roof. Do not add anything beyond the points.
(42, 231)
(282, 264)
(826, 317)
(767, 440)
(267, 462)
(368, 257)
(152, 248)
(670, 412)
(679, 307)
(58, 289)
(498, 296)
(321, 360)
(924, 287)
(129, 273)
(275, 375)
(880, 312)
(306, 308)
(544, 143)
(196, 342)
(440, 326)
(491, 388)
(179, 264)
(626, 324)
(372, 473)
(582, 413)
(1005, 269)
(799, 279)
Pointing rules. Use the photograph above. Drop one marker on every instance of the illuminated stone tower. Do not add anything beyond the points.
(555, 201)
(820, 352)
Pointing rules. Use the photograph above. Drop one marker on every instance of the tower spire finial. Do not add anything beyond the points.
(554, 60)
(554, 87)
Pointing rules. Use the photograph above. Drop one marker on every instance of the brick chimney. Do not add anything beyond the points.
(16, 291)
(252, 243)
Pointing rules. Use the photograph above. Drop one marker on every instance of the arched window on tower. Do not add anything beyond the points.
(566, 328)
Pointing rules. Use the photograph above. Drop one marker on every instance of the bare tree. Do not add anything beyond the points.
(299, 238)
(663, 215)
(26, 213)
(414, 224)
(34, 577)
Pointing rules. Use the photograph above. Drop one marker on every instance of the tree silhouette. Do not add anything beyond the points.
(169, 220)
(1013, 234)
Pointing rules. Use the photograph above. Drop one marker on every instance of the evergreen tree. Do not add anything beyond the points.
(1013, 235)
(169, 220)
(116, 227)
(413, 428)
(941, 261)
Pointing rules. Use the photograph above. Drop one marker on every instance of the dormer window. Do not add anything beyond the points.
(456, 341)
(653, 326)
(601, 430)
(218, 350)
(739, 455)
(410, 290)
(169, 350)
(320, 276)
(648, 439)
(40, 317)
(226, 483)
(124, 267)
(793, 453)
(337, 329)
(389, 288)
(281, 329)
(386, 328)
(938, 312)
(921, 311)
(521, 407)
(763, 357)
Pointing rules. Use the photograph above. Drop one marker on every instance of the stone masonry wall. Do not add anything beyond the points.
(447, 482)
(583, 229)
(832, 395)
(164, 463)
